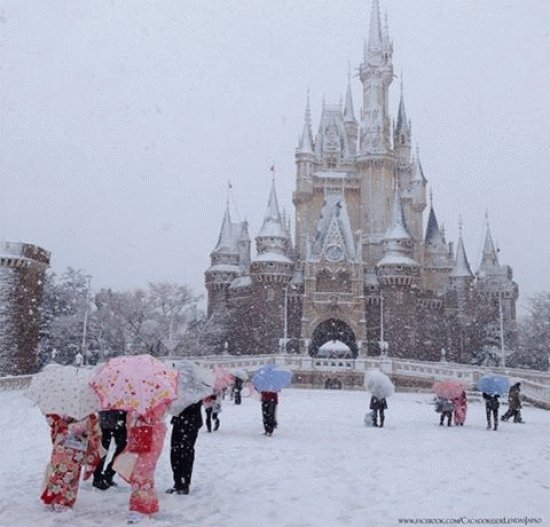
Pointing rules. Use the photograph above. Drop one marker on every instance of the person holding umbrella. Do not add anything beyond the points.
(69, 405)
(381, 387)
(378, 405)
(144, 387)
(195, 383)
(269, 380)
(492, 387)
(185, 430)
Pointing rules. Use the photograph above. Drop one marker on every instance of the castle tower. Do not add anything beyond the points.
(437, 258)
(225, 262)
(270, 272)
(399, 277)
(496, 292)
(22, 276)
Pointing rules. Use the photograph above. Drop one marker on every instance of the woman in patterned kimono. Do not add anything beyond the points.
(75, 443)
(143, 499)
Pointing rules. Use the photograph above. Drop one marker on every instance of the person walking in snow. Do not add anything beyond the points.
(378, 405)
(514, 404)
(238, 388)
(269, 411)
(143, 499)
(446, 408)
(460, 408)
(74, 444)
(491, 409)
(185, 429)
(212, 409)
(113, 428)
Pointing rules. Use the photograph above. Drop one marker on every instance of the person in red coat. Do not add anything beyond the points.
(269, 408)
(460, 408)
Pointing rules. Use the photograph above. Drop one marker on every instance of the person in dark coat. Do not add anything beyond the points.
(113, 428)
(514, 404)
(446, 407)
(378, 405)
(238, 387)
(491, 408)
(185, 429)
(269, 409)
(212, 407)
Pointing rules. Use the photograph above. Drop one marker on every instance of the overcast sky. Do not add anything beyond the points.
(121, 122)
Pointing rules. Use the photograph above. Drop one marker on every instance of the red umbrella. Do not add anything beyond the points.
(448, 389)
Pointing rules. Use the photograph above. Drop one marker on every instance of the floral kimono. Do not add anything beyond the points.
(144, 497)
(75, 443)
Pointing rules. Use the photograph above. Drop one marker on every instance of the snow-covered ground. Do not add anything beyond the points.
(322, 467)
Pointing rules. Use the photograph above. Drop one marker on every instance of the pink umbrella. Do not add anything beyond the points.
(448, 389)
(224, 378)
(138, 383)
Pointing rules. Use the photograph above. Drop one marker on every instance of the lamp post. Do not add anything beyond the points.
(501, 330)
(283, 342)
(382, 343)
(85, 322)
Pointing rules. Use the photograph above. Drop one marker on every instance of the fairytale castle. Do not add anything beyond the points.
(362, 269)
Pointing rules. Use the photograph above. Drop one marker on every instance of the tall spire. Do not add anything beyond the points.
(397, 229)
(306, 140)
(461, 268)
(375, 27)
(225, 240)
(489, 257)
(349, 115)
(433, 238)
(402, 131)
(272, 225)
(376, 73)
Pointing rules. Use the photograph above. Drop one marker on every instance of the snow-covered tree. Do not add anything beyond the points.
(534, 335)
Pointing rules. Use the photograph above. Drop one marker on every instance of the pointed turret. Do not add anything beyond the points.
(461, 268)
(437, 262)
(305, 145)
(225, 263)
(375, 28)
(489, 258)
(350, 123)
(225, 239)
(272, 263)
(398, 245)
(402, 131)
(273, 237)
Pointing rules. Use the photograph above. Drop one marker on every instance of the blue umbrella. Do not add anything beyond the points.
(270, 379)
(494, 384)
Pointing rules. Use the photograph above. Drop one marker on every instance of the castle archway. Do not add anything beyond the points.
(332, 329)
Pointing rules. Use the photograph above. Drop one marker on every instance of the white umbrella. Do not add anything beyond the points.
(195, 383)
(241, 374)
(63, 390)
(379, 384)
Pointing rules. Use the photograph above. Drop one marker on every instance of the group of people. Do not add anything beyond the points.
(458, 407)
(137, 444)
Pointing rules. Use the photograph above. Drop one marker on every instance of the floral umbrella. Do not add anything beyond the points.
(448, 389)
(138, 383)
(195, 383)
(63, 390)
(224, 378)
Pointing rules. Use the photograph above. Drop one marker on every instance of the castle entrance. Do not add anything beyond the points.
(333, 336)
